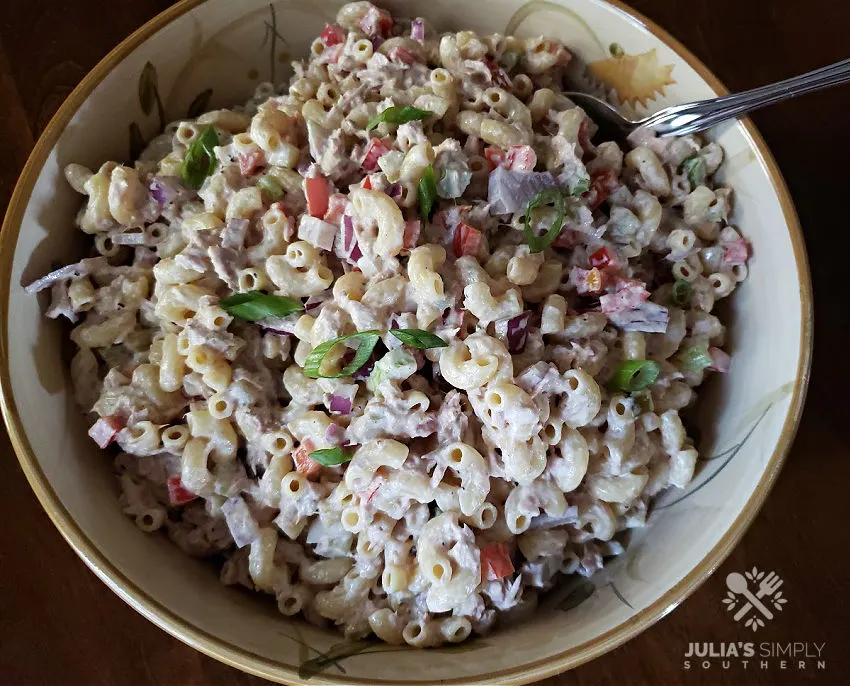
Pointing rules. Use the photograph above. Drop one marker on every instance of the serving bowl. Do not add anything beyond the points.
(200, 55)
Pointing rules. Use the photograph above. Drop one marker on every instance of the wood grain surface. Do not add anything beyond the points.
(60, 625)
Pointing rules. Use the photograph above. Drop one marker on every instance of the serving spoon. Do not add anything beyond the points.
(679, 120)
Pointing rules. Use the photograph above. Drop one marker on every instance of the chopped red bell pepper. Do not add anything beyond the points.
(602, 184)
(332, 34)
(105, 429)
(600, 258)
(178, 494)
(467, 240)
(496, 562)
(318, 194)
(376, 149)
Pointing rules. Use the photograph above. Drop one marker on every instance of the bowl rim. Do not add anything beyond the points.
(244, 660)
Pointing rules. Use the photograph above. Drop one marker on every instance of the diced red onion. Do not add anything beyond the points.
(317, 232)
(233, 235)
(105, 429)
(334, 434)
(313, 302)
(132, 237)
(412, 228)
(533, 379)
(547, 522)
(284, 325)
(510, 191)
(629, 296)
(720, 360)
(648, 317)
(518, 332)
(735, 252)
(417, 29)
(394, 191)
(365, 370)
(339, 405)
(164, 190)
(71, 271)
(350, 250)
(243, 527)
(348, 239)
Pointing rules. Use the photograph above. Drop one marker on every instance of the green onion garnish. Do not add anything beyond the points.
(254, 305)
(427, 193)
(635, 375)
(681, 295)
(579, 186)
(545, 197)
(398, 115)
(694, 167)
(330, 456)
(694, 358)
(313, 363)
(270, 186)
(200, 161)
(417, 338)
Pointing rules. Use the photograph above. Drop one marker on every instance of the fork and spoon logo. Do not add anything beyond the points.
(754, 606)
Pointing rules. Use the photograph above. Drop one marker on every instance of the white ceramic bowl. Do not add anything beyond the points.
(748, 417)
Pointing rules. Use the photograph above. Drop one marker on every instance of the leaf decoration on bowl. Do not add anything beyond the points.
(271, 37)
(571, 593)
(340, 651)
(137, 141)
(672, 497)
(635, 78)
(149, 93)
(200, 104)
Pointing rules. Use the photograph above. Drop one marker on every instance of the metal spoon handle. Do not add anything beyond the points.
(697, 116)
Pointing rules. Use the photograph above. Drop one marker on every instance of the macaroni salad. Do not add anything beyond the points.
(401, 344)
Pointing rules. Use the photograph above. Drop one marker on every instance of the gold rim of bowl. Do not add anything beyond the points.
(215, 647)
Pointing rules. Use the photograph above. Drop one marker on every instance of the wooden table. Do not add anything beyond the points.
(60, 625)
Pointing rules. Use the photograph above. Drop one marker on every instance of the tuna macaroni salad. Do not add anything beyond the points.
(402, 343)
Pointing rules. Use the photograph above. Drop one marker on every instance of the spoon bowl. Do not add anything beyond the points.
(692, 117)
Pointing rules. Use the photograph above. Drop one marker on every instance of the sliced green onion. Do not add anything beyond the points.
(313, 363)
(427, 193)
(200, 161)
(694, 358)
(255, 305)
(398, 363)
(398, 115)
(579, 186)
(694, 167)
(417, 338)
(545, 197)
(635, 375)
(270, 186)
(330, 456)
(509, 59)
(681, 295)
(643, 400)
